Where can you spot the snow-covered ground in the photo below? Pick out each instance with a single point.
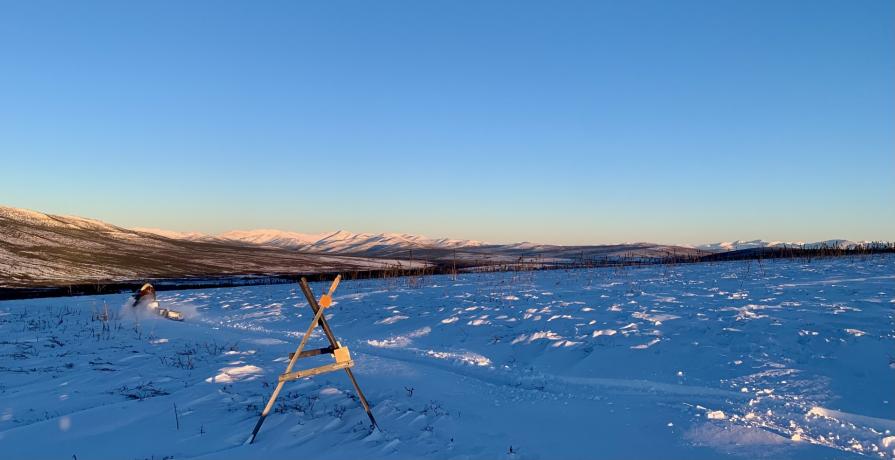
(779, 359)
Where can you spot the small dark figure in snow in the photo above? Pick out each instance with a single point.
(145, 297)
(147, 293)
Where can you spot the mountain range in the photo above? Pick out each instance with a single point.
(340, 242)
(753, 244)
(38, 249)
(343, 242)
(444, 250)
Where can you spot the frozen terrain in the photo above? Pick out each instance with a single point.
(779, 359)
(38, 249)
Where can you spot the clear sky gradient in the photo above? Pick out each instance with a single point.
(561, 122)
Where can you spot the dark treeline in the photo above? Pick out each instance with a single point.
(777, 252)
(789, 251)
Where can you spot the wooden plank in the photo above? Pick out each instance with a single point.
(309, 295)
(315, 371)
(314, 352)
(341, 354)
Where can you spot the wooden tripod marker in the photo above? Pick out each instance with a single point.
(340, 353)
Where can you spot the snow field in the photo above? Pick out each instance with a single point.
(778, 359)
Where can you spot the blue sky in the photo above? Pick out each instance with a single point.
(563, 122)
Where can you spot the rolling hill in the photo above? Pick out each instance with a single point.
(38, 249)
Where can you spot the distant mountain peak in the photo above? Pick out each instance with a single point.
(174, 235)
(339, 241)
(272, 237)
(752, 244)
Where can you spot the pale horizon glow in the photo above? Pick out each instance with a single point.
(322, 234)
(576, 123)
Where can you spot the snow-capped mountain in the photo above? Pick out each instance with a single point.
(43, 249)
(38, 249)
(408, 246)
(405, 246)
(347, 242)
(402, 245)
(270, 237)
(741, 244)
(175, 235)
(338, 242)
(752, 244)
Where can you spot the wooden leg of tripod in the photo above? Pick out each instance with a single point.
(363, 400)
(273, 398)
(276, 391)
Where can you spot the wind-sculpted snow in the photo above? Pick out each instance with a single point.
(781, 359)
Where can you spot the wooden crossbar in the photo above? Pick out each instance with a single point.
(339, 353)
(315, 371)
(314, 352)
